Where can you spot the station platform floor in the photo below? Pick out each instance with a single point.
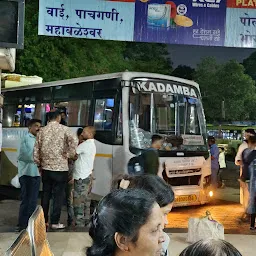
(74, 244)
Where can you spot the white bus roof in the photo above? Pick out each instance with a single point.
(123, 75)
(129, 75)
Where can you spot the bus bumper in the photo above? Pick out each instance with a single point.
(191, 195)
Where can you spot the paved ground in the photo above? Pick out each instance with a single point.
(224, 209)
(9, 210)
(74, 244)
(227, 213)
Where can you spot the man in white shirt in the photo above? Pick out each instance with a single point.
(82, 175)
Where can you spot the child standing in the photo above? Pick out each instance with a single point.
(222, 163)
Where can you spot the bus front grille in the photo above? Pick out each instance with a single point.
(183, 181)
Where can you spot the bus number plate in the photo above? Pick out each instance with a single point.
(183, 199)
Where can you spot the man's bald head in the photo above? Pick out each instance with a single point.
(89, 132)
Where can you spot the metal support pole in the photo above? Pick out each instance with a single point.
(1, 117)
(151, 113)
(223, 109)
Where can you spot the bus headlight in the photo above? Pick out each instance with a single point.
(211, 194)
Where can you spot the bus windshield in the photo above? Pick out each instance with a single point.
(178, 118)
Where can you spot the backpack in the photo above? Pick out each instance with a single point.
(136, 165)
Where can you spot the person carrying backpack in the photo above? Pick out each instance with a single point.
(148, 161)
(151, 157)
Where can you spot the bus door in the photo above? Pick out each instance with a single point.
(104, 106)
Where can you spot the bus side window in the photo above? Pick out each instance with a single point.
(12, 115)
(119, 134)
(37, 111)
(76, 113)
(103, 116)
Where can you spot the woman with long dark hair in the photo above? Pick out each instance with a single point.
(126, 222)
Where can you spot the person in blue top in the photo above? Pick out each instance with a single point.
(29, 176)
(214, 151)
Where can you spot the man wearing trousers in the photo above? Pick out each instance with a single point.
(29, 176)
(83, 177)
(55, 144)
(214, 151)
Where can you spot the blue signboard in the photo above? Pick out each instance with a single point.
(192, 22)
(180, 22)
(87, 19)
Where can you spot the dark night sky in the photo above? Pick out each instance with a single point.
(191, 55)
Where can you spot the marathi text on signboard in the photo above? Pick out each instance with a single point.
(229, 23)
(94, 20)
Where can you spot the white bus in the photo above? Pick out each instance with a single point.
(126, 109)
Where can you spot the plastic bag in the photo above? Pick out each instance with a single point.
(204, 228)
(15, 182)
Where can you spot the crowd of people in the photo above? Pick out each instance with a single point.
(65, 163)
(130, 220)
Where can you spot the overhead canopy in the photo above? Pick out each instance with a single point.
(16, 80)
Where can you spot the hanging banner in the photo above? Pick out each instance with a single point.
(91, 19)
(247, 4)
(241, 24)
(195, 22)
(229, 23)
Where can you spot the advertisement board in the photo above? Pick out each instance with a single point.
(193, 22)
(229, 23)
(241, 24)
